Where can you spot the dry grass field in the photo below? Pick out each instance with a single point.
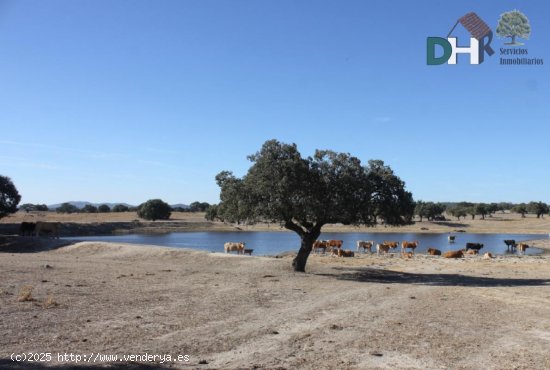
(241, 312)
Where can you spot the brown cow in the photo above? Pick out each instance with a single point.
(434, 252)
(472, 252)
(407, 254)
(382, 248)
(47, 227)
(410, 245)
(488, 255)
(320, 244)
(231, 246)
(335, 244)
(522, 247)
(453, 254)
(392, 245)
(345, 253)
(365, 245)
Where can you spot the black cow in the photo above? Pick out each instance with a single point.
(475, 246)
(27, 228)
(510, 244)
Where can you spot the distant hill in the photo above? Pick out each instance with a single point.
(81, 204)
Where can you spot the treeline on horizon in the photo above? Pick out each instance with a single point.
(67, 207)
(434, 211)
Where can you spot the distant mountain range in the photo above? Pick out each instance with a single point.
(82, 204)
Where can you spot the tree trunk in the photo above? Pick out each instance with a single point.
(299, 262)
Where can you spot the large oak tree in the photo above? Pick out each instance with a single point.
(303, 194)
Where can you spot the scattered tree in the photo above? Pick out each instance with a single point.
(513, 24)
(67, 208)
(481, 209)
(121, 208)
(458, 211)
(303, 194)
(520, 208)
(104, 208)
(538, 208)
(154, 209)
(88, 208)
(199, 206)
(9, 197)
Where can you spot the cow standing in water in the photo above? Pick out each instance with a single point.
(27, 228)
(51, 228)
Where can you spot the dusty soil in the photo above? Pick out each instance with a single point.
(228, 311)
(126, 222)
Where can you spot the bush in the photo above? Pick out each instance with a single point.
(154, 209)
(9, 197)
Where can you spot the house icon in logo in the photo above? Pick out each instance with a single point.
(480, 42)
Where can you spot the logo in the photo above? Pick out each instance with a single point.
(480, 42)
(513, 24)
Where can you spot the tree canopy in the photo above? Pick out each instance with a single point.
(303, 194)
(9, 197)
(154, 209)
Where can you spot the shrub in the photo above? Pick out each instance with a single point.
(154, 209)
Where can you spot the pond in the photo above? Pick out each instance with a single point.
(273, 243)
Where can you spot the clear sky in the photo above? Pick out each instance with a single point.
(123, 101)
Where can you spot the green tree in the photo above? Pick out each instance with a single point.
(212, 213)
(419, 209)
(104, 208)
(9, 197)
(538, 208)
(520, 208)
(458, 211)
(513, 24)
(88, 208)
(120, 208)
(41, 207)
(27, 207)
(67, 208)
(198, 206)
(482, 209)
(154, 209)
(304, 194)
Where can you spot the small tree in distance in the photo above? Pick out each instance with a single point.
(104, 208)
(154, 209)
(89, 208)
(120, 208)
(9, 197)
(67, 208)
(304, 194)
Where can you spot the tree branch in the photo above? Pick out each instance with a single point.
(294, 227)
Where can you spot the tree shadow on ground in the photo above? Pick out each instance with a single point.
(372, 275)
(23, 365)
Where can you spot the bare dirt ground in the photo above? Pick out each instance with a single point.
(106, 223)
(229, 312)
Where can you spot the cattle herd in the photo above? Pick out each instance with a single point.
(40, 228)
(335, 248)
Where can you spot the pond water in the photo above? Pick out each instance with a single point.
(272, 243)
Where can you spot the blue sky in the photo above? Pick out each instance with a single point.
(123, 101)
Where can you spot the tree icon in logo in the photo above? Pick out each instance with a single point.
(513, 24)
